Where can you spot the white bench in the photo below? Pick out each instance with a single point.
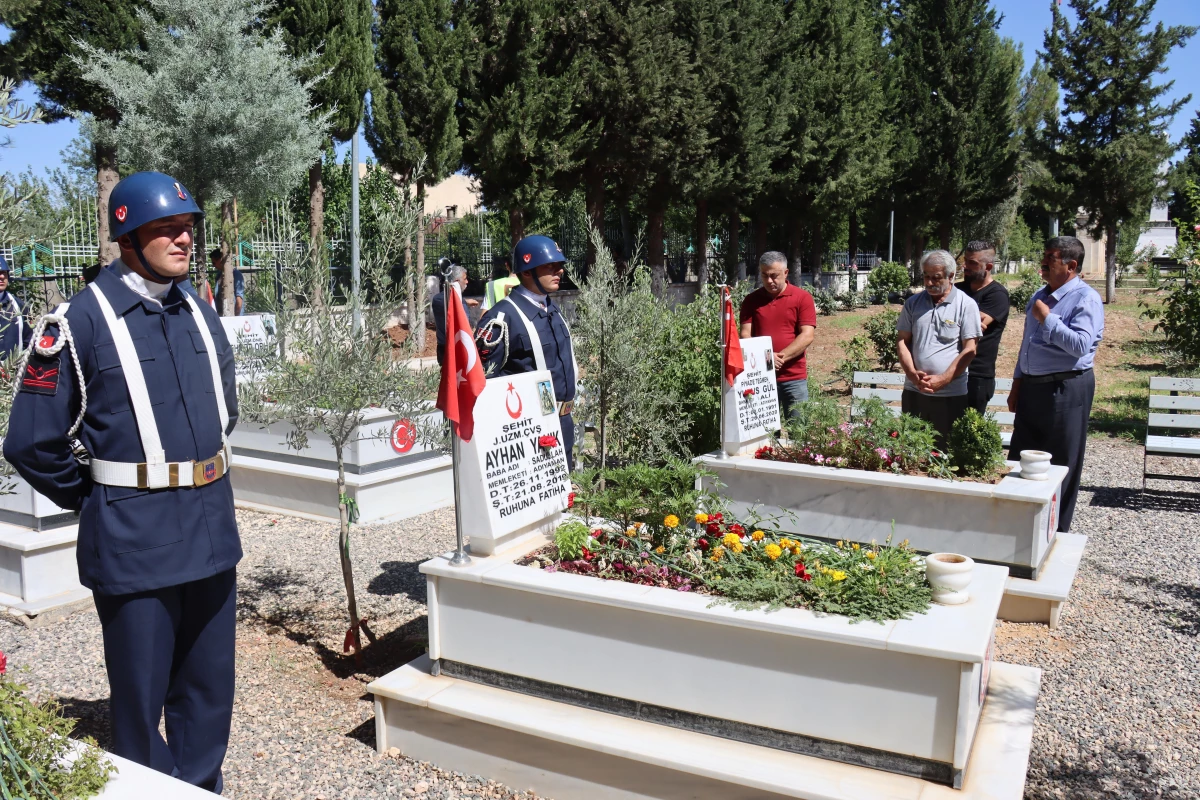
(888, 386)
(1174, 411)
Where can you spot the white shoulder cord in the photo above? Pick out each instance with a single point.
(20, 318)
(59, 318)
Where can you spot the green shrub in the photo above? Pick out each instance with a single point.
(825, 300)
(1178, 319)
(855, 361)
(878, 440)
(881, 330)
(1019, 295)
(885, 278)
(569, 538)
(975, 445)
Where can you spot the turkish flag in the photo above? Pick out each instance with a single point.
(732, 357)
(462, 372)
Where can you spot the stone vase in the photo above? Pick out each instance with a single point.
(1035, 465)
(949, 574)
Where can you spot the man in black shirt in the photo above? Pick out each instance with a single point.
(979, 260)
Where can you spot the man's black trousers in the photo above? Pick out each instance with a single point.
(1053, 416)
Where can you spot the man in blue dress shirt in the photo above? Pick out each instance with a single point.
(1053, 383)
(14, 329)
(122, 415)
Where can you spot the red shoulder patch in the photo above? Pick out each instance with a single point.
(40, 377)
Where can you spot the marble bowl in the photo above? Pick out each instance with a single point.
(1035, 465)
(949, 575)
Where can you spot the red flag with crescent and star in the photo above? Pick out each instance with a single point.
(732, 357)
(462, 372)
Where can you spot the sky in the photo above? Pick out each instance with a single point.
(1025, 21)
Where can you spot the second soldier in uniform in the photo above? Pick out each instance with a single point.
(526, 331)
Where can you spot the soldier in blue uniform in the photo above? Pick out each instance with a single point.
(122, 413)
(14, 328)
(526, 331)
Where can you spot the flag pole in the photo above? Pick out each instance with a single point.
(721, 454)
(460, 557)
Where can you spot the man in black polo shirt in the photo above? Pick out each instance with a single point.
(979, 260)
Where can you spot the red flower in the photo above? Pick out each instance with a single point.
(895, 434)
(571, 500)
(716, 517)
(549, 440)
(702, 544)
(748, 393)
(738, 529)
(587, 554)
(713, 528)
(802, 572)
(935, 454)
(3, 663)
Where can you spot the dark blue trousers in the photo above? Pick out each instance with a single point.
(568, 432)
(172, 650)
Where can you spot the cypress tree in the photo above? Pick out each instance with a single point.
(956, 86)
(412, 125)
(1105, 152)
(837, 139)
(44, 48)
(520, 132)
(334, 39)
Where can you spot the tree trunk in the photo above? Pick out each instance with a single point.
(226, 277)
(701, 245)
(316, 225)
(594, 202)
(732, 246)
(796, 245)
(410, 286)
(344, 550)
(416, 326)
(818, 254)
(516, 227)
(944, 234)
(106, 179)
(1110, 264)
(852, 256)
(200, 253)
(657, 259)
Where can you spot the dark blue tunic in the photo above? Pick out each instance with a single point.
(551, 329)
(10, 338)
(132, 540)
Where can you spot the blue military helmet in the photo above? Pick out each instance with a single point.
(144, 197)
(534, 251)
(4, 267)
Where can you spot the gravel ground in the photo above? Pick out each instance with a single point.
(1117, 717)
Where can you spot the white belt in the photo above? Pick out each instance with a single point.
(167, 475)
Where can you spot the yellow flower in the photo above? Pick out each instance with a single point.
(717, 552)
(730, 539)
(738, 547)
(638, 525)
(701, 518)
(757, 536)
(660, 549)
(871, 554)
(795, 549)
(839, 544)
(837, 575)
(854, 546)
(773, 551)
(671, 521)
(785, 543)
(630, 531)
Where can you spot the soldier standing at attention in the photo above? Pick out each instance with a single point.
(121, 415)
(14, 330)
(525, 331)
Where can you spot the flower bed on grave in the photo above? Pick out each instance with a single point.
(651, 526)
(879, 440)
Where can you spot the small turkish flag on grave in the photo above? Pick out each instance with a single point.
(732, 356)
(462, 372)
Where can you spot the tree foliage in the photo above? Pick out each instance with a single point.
(1105, 152)
(211, 100)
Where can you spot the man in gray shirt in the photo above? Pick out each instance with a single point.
(937, 333)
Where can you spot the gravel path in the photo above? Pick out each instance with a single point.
(1117, 717)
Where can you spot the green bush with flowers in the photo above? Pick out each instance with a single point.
(652, 526)
(880, 440)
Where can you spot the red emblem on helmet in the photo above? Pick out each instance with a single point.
(527, 256)
(121, 213)
(179, 191)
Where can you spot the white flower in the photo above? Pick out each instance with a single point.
(866, 566)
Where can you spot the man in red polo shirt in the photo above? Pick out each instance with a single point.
(787, 314)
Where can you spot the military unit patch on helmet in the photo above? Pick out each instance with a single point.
(41, 375)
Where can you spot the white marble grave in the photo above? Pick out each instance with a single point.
(510, 486)
(389, 473)
(1012, 523)
(752, 403)
(38, 571)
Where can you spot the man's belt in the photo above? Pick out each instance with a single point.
(160, 476)
(1054, 377)
(566, 407)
